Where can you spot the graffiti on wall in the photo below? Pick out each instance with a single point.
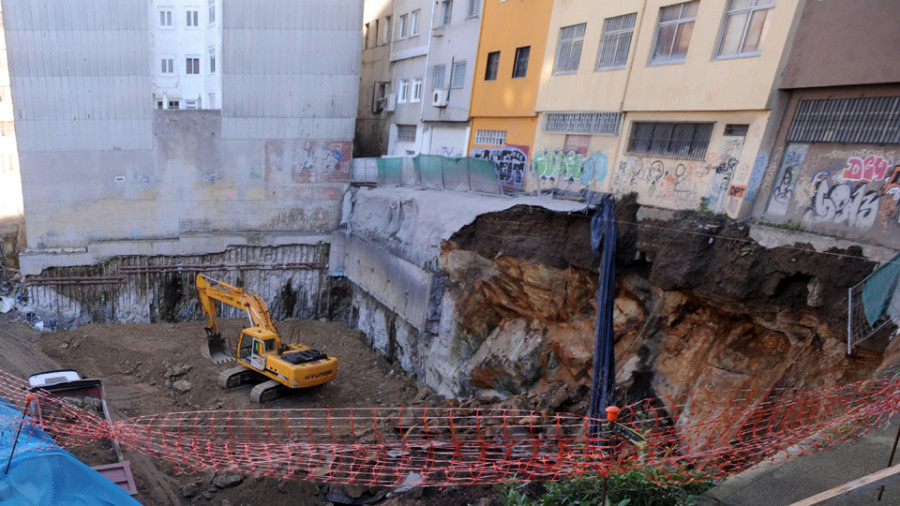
(679, 182)
(786, 178)
(723, 171)
(570, 166)
(855, 194)
(305, 161)
(509, 162)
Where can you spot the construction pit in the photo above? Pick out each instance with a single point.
(505, 321)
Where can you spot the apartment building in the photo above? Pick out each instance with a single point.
(507, 78)
(185, 43)
(673, 101)
(375, 82)
(10, 182)
(127, 177)
(835, 166)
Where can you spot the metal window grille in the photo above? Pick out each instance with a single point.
(868, 120)
(406, 133)
(490, 137)
(594, 123)
(520, 68)
(745, 23)
(437, 76)
(458, 75)
(568, 51)
(676, 140)
(616, 42)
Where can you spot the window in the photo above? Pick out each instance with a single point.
(520, 68)
(212, 11)
(7, 129)
(406, 133)
(167, 66)
(375, 34)
(192, 17)
(490, 137)
(746, 22)
(401, 27)
(165, 17)
(173, 104)
(414, 23)
(616, 42)
(159, 104)
(594, 123)
(366, 36)
(493, 62)
(212, 101)
(474, 8)
(4, 93)
(676, 140)
(191, 104)
(403, 92)
(446, 7)
(673, 33)
(192, 65)
(866, 120)
(212, 60)
(386, 35)
(437, 76)
(458, 75)
(416, 90)
(568, 51)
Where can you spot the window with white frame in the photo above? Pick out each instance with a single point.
(568, 50)
(212, 60)
(416, 94)
(474, 8)
(192, 18)
(520, 66)
(676, 140)
(673, 33)
(165, 17)
(458, 75)
(746, 23)
(212, 11)
(192, 65)
(446, 7)
(160, 104)
(490, 137)
(173, 104)
(191, 104)
(386, 35)
(401, 27)
(406, 133)
(437, 76)
(616, 42)
(403, 92)
(167, 65)
(414, 22)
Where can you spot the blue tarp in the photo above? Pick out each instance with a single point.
(880, 288)
(42, 473)
(603, 242)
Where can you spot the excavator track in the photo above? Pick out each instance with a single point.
(237, 376)
(268, 390)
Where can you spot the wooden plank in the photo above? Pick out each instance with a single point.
(854, 487)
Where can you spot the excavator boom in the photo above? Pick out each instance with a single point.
(210, 290)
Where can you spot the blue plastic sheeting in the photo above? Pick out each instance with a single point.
(880, 287)
(41, 473)
(603, 242)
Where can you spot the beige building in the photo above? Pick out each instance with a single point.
(669, 100)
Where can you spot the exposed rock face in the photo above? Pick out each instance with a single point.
(699, 306)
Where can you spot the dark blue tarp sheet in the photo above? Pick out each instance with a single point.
(603, 242)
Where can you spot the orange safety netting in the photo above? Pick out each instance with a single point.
(694, 437)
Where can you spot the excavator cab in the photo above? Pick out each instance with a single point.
(255, 344)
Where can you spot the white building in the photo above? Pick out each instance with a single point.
(10, 184)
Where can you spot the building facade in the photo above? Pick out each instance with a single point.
(10, 181)
(128, 178)
(835, 166)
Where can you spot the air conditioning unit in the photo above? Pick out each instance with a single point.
(391, 103)
(440, 98)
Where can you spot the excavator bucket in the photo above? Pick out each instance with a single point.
(216, 349)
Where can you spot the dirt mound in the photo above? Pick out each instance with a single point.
(148, 369)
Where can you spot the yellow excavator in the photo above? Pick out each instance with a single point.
(260, 351)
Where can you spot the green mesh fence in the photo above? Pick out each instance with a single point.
(390, 171)
(460, 174)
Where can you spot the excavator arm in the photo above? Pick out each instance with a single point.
(211, 290)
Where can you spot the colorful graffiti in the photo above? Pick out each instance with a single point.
(678, 183)
(510, 163)
(724, 171)
(570, 166)
(842, 204)
(872, 168)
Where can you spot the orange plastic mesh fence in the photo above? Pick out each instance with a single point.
(700, 436)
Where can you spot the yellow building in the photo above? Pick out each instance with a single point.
(507, 77)
(672, 100)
